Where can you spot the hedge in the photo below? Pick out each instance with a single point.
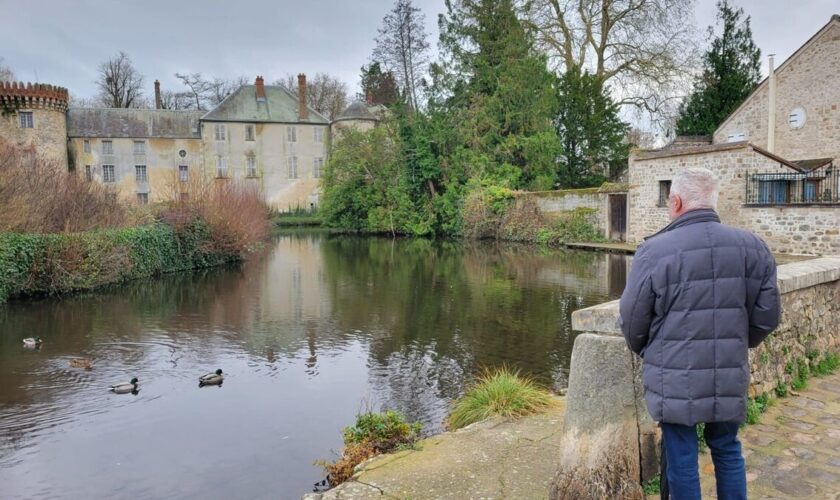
(32, 264)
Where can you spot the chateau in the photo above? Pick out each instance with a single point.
(260, 135)
(776, 156)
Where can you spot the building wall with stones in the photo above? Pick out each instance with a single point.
(807, 80)
(47, 103)
(730, 163)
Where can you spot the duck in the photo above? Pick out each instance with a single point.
(125, 388)
(85, 363)
(215, 378)
(32, 342)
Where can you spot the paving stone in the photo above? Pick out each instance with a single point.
(800, 425)
(803, 453)
(791, 484)
(807, 403)
(832, 421)
(834, 462)
(830, 386)
(798, 437)
(821, 476)
(792, 411)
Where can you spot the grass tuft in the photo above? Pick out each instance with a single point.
(503, 392)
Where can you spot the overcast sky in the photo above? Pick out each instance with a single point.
(62, 42)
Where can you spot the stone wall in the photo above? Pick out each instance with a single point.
(805, 230)
(563, 200)
(48, 135)
(808, 80)
(810, 325)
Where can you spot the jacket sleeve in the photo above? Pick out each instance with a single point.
(765, 315)
(637, 303)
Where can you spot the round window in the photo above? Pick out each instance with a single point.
(797, 118)
(182, 153)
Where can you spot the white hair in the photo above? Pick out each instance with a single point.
(696, 187)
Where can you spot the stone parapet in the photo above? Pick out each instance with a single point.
(17, 95)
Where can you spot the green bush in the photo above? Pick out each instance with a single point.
(65, 262)
(501, 392)
(372, 434)
(827, 365)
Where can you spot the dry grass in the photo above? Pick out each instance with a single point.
(38, 196)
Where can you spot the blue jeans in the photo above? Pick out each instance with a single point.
(680, 443)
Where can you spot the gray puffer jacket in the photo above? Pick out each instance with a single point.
(699, 294)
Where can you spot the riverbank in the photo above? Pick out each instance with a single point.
(50, 264)
(492, 459)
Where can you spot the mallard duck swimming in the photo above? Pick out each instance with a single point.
(215, 378)
(125, 388)
(32, 341)
(85, 363)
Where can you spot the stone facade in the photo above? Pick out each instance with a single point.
(807, 80)
(47, 104)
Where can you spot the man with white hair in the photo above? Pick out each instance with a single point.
(699, 294)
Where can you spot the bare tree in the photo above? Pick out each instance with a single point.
(176, 100)
(325, 94)
(77, 101)
(644, 49)
(6, 73)
(207, 93)
(402, 47)
(120, 84)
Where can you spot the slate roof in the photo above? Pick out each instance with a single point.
(356, 111)
(279, 107)
(133, 123)
(813, 164)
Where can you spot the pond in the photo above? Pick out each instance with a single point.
(310, 332)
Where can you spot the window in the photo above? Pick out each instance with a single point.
(26, 120)
(293, 171)
(319, 166)
(221, 166)
(219, 129)
(810, 191)
(291, 134)
(250, 166)
(319, 134)
(107, 147)
(249, 132)
(664, 193)
(108, 174)
(87, 146)
(773, 191)
(143, 198)
(88, 173)
(139, 147)
(140, 173)
(183, 173)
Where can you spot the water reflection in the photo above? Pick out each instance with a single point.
(309, 333)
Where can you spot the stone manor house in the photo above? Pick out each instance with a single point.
(777, 157)
(260, 135)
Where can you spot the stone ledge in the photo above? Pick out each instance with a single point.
(603, 318)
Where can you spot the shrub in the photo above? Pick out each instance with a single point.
(827, 365)
(501, 392)
(756, 407)
(372, 434)
(653, 486)
(39, 196)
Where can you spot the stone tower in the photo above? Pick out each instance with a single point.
(34, 114)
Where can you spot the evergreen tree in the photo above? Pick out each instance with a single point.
(590, 130)
(499, 95)
(731, 69)
(378, 87)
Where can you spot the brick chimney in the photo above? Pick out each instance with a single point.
(158, 103)
(259, 88)
(303, 110)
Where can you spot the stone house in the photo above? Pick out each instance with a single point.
(260, 135)
(776, 156)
